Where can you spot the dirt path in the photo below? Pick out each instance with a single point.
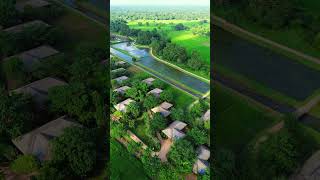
(274, 129)
(307, 107)
(165, 148)
(238, 30)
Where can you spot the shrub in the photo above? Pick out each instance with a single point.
(24, 164)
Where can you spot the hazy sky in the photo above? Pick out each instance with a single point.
(161, 2)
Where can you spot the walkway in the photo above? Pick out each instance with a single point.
(165, 148)
(307, 107)
(310, 170)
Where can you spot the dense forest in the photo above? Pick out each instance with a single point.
(160, 13)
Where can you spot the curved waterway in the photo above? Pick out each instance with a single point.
(162, 69)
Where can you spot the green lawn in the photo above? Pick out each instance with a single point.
(124, 165)
(183, 38)
(237, 119)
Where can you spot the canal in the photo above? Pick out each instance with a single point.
(167, 72)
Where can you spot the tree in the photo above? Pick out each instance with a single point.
(117, 129)
(278, 155)
(150, 101)
(166, 96)
(75, 148)
(182, 155)
(8, 15)
(180, 27)
(224, 165)
(24, 164)
(133, 109)
(177, 114)
(15, 111)
(158, 122)
(51, 171)
(198, 135)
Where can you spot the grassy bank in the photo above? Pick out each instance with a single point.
(240, 118)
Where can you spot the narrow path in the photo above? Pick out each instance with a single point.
(236, 29)
(307, 107)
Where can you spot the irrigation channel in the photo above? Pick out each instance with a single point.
(269, 68)
(182, 80)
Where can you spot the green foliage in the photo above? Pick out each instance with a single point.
(51, 171)
(13, 120)
(13, 69)
(150, 101)
(224, 165)
(278, 155)
(76, 148)
(166, 96)
(133, 109)
(198, 135)
(24, 164)
(117, 129)
(7, 152)
(178, 114)
(8, 15)
(158, 123)
(76, 100)
(182, 155)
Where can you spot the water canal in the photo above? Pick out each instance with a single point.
(264, 66)
(167, 72)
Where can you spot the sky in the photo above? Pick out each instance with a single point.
(160, 2)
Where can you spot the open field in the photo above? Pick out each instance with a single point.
(279, 73)
(241, 120)
(183, 38)
(123, 164)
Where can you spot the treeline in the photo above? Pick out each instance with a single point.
(278, 14)
(162, 46)
(160, 13)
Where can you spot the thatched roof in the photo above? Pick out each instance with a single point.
(122, 105)
(20, 5)
(178, 125)
(156, 92)
(120, 79)
(200, 166)
(37, 141)
(166, 105)
(173, 133)
(149, 81)
(118, 70)
(39, 89)
(206, 115)
(31, 57)
(161, 110)
(21, 27)
(203, 152)
(122, 89)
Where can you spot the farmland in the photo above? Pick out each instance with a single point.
(185, 38)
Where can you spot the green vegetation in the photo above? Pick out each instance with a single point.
(292, 23)
(187, 38)
(240, 118)
(123, 164)
(24, 164)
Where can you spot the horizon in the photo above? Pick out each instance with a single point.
(160, 3)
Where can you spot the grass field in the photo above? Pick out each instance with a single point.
(124, 165)
(184, 38)
(241, 120)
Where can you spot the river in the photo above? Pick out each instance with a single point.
(165, 71)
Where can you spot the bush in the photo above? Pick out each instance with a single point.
(7, 153)
(24, 164)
